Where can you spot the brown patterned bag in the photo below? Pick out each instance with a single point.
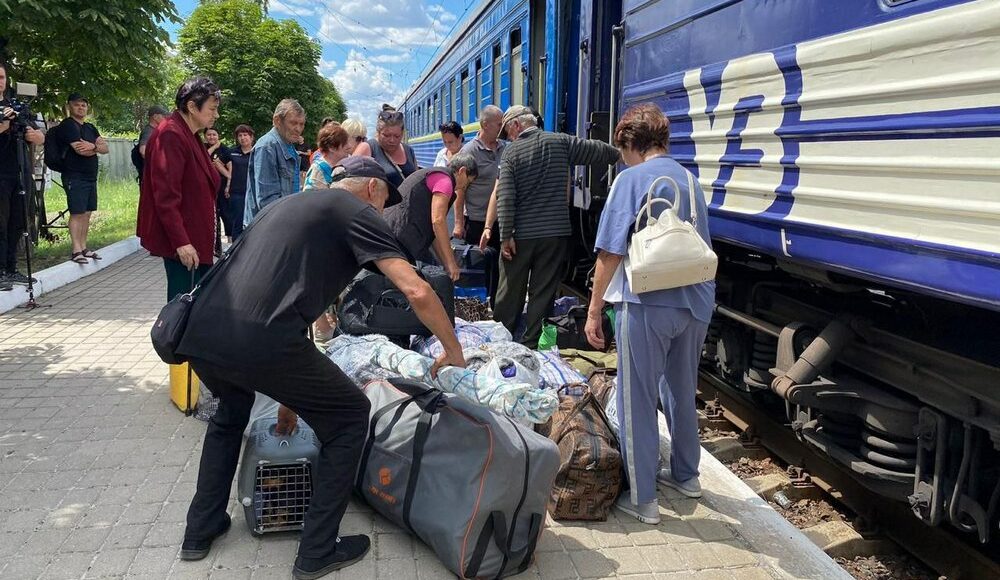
(590, 468)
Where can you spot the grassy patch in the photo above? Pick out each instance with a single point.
(113, 221)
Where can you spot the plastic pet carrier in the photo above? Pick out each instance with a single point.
(275, 481)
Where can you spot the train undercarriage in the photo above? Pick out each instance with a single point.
(902, 390)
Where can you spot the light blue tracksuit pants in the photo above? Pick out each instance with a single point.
(658, 352)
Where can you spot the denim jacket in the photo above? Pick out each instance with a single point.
(274, 173)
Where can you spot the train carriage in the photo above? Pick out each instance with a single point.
(850, 154)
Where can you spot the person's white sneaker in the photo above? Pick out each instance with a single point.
(691, 488)
(647, 513)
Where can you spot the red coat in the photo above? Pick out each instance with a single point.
(177, 198)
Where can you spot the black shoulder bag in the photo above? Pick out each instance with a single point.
(168, 330)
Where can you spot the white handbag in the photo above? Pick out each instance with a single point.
(668, 252)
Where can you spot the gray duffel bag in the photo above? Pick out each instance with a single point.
(472, 484)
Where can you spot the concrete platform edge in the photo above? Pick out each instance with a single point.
(784, 546)
(62, 274)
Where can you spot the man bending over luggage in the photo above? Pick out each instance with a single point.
(247, 332)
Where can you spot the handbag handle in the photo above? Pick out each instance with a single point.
(647, 207)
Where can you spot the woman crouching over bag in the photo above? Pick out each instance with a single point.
(659, 332)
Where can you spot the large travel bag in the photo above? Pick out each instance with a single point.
(473, 263)
(373, 305)
(473, 485)
(567, 330)
(590, 474)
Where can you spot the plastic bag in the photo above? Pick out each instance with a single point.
(549, 337)
(520, 401)
(556, 373)
(208, 404)
(508, 369)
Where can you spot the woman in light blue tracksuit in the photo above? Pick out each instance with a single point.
(660, 333)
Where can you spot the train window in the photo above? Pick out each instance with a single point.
(434, 114)
(479, 86)
(466, 97)
(445, 106)
(497, 60)
(516, 74)
(428, 114)
(456, 115)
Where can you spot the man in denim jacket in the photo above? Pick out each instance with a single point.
(274, 162)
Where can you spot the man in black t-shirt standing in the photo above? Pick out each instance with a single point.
(247, 332)
(82, 143)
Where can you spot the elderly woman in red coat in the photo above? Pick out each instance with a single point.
(177, 198)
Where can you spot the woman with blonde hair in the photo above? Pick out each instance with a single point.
(357, 132)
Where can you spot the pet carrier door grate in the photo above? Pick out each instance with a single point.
(281, 496)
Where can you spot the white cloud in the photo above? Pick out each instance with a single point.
(327, 67)
(386, 24)
(365, 85)
(392, 58)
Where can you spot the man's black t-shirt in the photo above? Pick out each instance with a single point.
(241, 169)
(70, 131)
(147, 132)
(292, 263)
(221, 154)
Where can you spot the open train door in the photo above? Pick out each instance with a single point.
(596, 55)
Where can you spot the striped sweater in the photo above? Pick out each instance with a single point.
(532, 198)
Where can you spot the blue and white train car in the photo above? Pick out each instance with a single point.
(858, 136)
(850, 153)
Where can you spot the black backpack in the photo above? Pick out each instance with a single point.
(137, 159)
(55, 154)
(570, 329)
(373, 305)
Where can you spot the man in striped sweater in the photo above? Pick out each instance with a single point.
(533, 208)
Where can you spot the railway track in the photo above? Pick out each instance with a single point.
(945, 552)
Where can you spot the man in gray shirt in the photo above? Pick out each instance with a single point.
(486, 149)
(472, 204)
(533, 212)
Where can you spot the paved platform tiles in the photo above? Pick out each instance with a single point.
(97, 469)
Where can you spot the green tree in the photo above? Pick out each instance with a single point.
(111, 50)
(256, 61)
(128, 117)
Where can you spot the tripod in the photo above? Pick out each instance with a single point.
(25, 184)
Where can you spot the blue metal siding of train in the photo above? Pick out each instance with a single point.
(491, 28)
(856, 136)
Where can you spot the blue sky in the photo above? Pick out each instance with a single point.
(373, 50)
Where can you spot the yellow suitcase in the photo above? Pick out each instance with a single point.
(184, 387)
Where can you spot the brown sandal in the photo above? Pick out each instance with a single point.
(90, 254)
(79, 258)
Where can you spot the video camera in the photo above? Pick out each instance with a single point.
(18, 111)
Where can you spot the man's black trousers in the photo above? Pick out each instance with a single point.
(12, 223)
(320, 393)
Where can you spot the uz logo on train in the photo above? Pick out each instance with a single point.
(736, 109)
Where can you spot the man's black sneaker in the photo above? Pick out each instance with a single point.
(350, 549)
(198, 549)
(16, 277)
